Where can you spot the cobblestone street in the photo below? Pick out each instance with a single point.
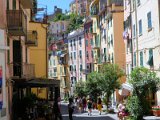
(84, 116)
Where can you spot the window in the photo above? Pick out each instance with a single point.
(71, 68)
(140, 27)
(149, 20)
(91, 42)
(150, 60)
(138, 2)
(111, 39)
(80, 53)
(80, 43)
(86, 42)
(54, 62)
(74, 42)
(104, 51)
(71, 55)
(74, 55)
(14, 4)
(81, 67)
(87, 54)
(134, 58)
(7, 4)
(134, 31)
(74, 67)
(71, 43)
(141, 58)
(92, 54)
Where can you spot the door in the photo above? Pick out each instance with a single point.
(17, 58)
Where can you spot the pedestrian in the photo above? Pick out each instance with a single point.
(99, 105)
(70, 108)
(89, 103)
(84, 103)
(56, 111)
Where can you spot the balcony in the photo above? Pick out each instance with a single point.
(27, 4)
(16, 22)
(116, 2)
(24, 70)
(31, 38)
(96, 45)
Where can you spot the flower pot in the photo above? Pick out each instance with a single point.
(156, 112)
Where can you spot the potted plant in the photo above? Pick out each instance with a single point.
(156, 110)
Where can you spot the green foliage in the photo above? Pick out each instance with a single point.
(110, 78)
(61, 17)
(134, 107)
(144, 82)
(93, 84)
(80, 89)
(75, 22)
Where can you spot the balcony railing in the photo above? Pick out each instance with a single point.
(21, 70)
(116, 2)
(31, 38)
(16, 22)
(27, 3)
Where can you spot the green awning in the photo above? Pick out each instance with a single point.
(150, 61)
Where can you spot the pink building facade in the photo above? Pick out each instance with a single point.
(88, 46)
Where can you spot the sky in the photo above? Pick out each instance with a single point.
(64, 4)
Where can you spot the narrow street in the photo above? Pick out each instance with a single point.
(84, 116)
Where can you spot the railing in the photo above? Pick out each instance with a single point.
(16, 22)
(116, 2)
(21, 70)
(31, 38)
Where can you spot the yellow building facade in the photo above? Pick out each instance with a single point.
(38, 55)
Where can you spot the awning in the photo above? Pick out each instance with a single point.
(150, 61)
(127, 86)
(37, 82)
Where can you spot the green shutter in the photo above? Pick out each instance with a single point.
(134, 58)
(141, 58)
(150, 60)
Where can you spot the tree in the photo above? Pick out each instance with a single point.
(110, 80)
(80, 89)
(144, 82)
(93, 84)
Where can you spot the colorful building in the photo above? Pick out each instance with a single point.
(58, 55)
(4, 106)
(145, 37)
(80, 7)
(88, 46)
(77, 55)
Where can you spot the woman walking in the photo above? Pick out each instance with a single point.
(99, 105)
(89, 107)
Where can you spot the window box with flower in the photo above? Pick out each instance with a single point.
(156, 110)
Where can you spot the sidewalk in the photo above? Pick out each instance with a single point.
(151, 118)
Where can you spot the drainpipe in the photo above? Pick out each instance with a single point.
(137, 61)
(131, 38)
